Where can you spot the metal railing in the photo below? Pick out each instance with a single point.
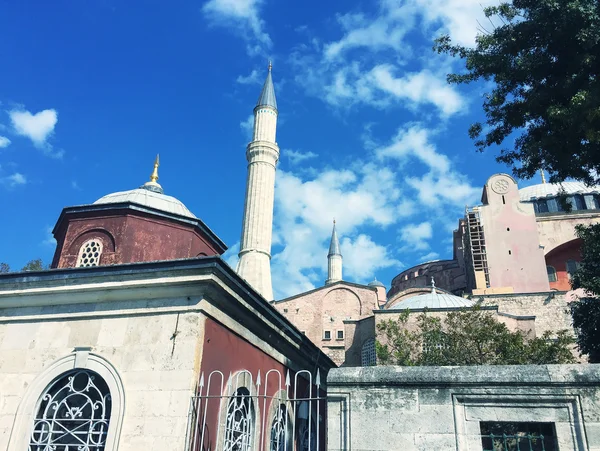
(519, 442)
(243, 413)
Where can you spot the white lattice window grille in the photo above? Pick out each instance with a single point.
(280, 430)
(73, 414)
(89, 254)
(368, 353)
(239, 425)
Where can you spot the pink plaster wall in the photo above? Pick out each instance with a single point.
(514, 256)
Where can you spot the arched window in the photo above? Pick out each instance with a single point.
(73, 413)
(239, 426)
(280, 430)
(89, 253)
(368, 354)
(551, 273)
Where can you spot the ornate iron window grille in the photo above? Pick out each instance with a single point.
(279, 430)
(525, 442)
(239, 427)
(73, 414)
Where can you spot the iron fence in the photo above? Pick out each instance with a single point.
(245, 413)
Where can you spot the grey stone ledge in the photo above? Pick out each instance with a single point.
(431, 376)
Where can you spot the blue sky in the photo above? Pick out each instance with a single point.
(369, 131)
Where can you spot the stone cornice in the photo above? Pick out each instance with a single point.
(208, 284)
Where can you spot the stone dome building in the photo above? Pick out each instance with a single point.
(138, 225)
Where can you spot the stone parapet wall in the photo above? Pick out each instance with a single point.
(441, 408)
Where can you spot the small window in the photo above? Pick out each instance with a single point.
(368, 354)
(340, 334)
(509, 436)
(542, 206)
(509, 252)
(89, 253)
(285, 310)
(327, 335)
(551, 273)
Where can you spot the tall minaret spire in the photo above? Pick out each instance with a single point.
(262, 154)
(334, 259)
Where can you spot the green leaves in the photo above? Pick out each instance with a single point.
(543, 57)
(465, 337)
(586, 311)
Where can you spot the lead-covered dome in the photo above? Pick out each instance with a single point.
(151, 195)
(544, 190)
(147, 198)
(433, 300)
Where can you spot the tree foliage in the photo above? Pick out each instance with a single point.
(543, 59)
(466, 337)
(586, 311)
(32, 265)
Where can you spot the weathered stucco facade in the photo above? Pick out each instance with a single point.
(320, 314)
(150, 330)
(447, 408)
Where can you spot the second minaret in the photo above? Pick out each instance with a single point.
(262, 154)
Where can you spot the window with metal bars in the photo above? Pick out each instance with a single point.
(73, 414)
(511, 436)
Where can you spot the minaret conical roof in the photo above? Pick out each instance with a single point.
(267, 95)
(334, 245)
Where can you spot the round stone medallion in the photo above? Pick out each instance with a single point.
(500, 185)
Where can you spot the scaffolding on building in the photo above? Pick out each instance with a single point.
(476, 244)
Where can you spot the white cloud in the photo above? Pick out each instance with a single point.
(231, 255)
(247, 127)
(295, 156)
(442, 183)
(49, 239)
(15, 179)
(37, 127)
(364, 196)
(4, 142)
(415, 236)
(362, 257)
(429, 257)
(242, 16)
(254, 77)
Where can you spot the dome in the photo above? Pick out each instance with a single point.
(433, 300)
(148, 198)
(544, 190)
(376, 283)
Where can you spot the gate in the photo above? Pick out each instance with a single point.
(267, 413)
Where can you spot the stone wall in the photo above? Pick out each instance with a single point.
(158, 372)
(550, 309)
(326, 309)
(440, 408)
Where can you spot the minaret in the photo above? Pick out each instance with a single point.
(262, 154)
(334, 259)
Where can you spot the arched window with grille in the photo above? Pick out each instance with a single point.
(280, 430)
(73, 413)
(551, 273)
(368, 353)
(90, 253)
(239, 423)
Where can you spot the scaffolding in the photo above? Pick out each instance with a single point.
(477, 247)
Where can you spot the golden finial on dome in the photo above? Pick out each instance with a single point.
(543, 176)
(154, 176)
